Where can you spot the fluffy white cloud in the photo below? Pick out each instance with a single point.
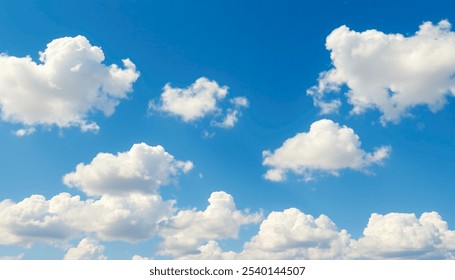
(129, 218)
(142, 169)
(404, 236)
(31, 220)
(232, 114)
(292, 234)
(199, 100)
(190, 229)
(128, 206)
(327, 148)
(389, 72)
(70, 82)
(87, 249)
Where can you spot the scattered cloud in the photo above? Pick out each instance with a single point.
(139, 258)
(25, 131)
(17, 257)
(142, 169)
(326, 148)
(69, 83)
(389, 72)
(190, 229)
(87, 249)
(199, 100)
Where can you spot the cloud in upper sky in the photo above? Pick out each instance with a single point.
(389, 72)
(199, 100)
(68, 84)
(142, 169)
(326, 148)
(87, 249)
(190, 229)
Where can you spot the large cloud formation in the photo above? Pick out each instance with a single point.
(200, 99)
(326, 148)
(126, 205)
(389, 72)
(404, 236)
(70, 83)
(292, 234)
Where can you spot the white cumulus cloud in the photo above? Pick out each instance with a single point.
(87, 249)
(327, 147)
(292, 234)
(141, 169)
(127, 206)
(404, 236)
(199, 100)
(190, 229)
(130, 218)
(31, 220)
(68, 84)
(389, 72)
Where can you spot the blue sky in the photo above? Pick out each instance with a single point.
(227, 99)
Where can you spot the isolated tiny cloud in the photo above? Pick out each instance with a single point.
(69, 83)
(389, 72)
(190, 229)
(200, 100)
(87, 249)
(326, 148)
(141, 169)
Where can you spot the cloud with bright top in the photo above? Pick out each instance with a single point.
(202, 99)
(326, 148)
(190, 229)
(391, 73)
(69, 84)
